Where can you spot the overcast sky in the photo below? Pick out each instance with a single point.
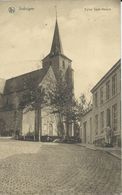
(90, 38)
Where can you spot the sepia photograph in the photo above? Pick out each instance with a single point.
(60, 97)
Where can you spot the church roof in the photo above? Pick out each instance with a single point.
(19, 83)
(56, 47)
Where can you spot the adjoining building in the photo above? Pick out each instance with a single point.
(22, 121)
(106, 110)
(86, 127)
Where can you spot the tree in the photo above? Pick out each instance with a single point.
(78, 108)
(61, 99)
(33, 94)
(35, 97)
(67, 107)
(83, 104)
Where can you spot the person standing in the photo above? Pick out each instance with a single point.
(108, 135)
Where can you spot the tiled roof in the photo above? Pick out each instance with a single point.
(19, 83)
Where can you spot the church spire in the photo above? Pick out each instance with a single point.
(56, 47)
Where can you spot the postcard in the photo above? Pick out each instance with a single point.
(60, 97)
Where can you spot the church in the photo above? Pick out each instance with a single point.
(17, 116)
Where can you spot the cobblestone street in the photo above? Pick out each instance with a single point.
(57, 169)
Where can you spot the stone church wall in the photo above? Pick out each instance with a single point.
(28, 122)
(49, 122)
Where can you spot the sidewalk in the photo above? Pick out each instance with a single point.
(115, 151)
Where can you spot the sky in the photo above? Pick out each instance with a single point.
(89, 30)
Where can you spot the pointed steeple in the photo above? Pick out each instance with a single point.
(56, 47)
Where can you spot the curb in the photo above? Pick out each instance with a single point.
(87, 147)
(91, 148)
(115, 155)
(97, 149)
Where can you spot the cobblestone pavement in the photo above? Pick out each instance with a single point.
(11, 147)
(60, 170)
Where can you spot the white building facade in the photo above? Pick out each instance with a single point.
(106, 111)
(87, 127)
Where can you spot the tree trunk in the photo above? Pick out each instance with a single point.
(67, 126)
(60, 126)
(39, 123)
(36, 124)
(67, 131)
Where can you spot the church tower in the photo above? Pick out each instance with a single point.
(57, 60)
(61, 66)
